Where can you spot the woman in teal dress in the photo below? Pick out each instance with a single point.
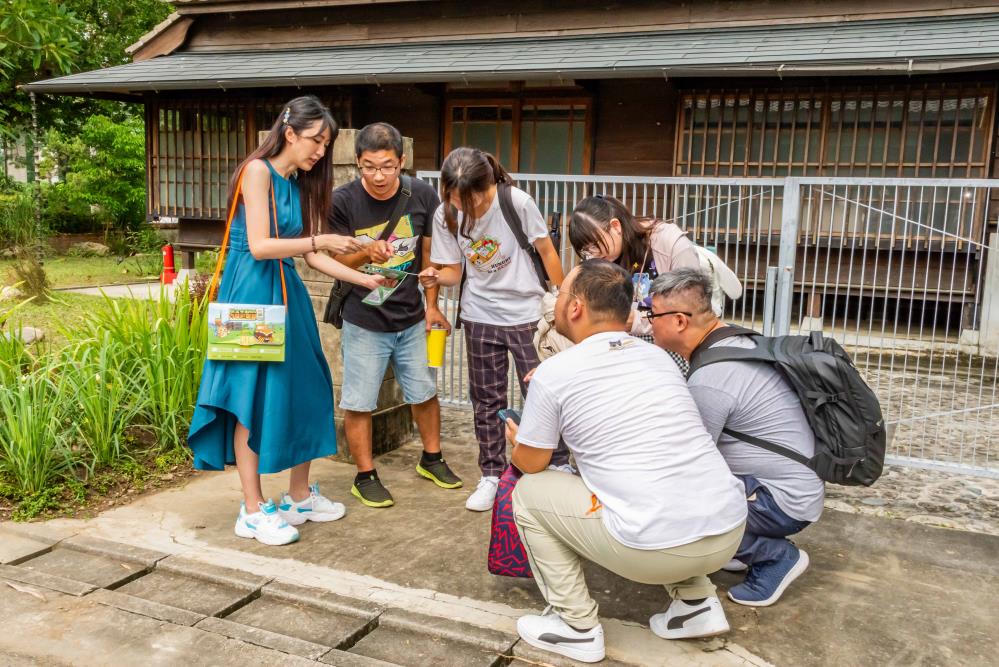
(271, 416)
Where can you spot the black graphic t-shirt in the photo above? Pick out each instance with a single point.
(358, 214)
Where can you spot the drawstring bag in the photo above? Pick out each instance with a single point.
(507, 555)
(245, 331)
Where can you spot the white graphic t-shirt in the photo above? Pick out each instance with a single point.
(502, 286)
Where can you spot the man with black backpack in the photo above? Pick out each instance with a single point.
(753, 399)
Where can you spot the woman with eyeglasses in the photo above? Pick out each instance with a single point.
(500, 300)
(603, 227)
(271, 416)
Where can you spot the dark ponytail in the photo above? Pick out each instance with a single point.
(467, 171)
(592, 215)
(316, 185)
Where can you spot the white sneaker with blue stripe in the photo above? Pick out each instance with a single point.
(316, 507)
(265, 526)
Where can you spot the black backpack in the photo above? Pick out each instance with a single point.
(845, 416)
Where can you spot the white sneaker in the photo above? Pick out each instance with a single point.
(316, 507)
(550, 633)
(482, 498)
(687, 621)
(735, 565)
(265, 526)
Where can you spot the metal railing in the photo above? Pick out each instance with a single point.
(894, 269)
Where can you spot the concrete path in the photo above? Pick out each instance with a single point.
(147, 290)
(879, 592)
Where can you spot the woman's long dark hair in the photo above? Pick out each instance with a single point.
(593, 215)
(467, 171)
(316, 185)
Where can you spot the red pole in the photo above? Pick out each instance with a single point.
(169, 273)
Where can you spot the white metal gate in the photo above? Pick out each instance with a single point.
(896, 270)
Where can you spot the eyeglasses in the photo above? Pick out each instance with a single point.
(649, 315)
(569, 292)
(368, 170)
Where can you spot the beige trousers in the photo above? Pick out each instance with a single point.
(554, 514)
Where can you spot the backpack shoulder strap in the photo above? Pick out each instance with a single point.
(406, 188)
(704, 355)
(510, 215)
(769, 446)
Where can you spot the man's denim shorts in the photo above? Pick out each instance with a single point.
(366, 355)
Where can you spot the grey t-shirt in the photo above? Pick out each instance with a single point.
(753, 398)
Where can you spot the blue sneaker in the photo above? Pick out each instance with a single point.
(265, 526)
(766, 582)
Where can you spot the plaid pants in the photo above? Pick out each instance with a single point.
(488, 367)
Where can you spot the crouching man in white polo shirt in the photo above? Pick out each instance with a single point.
(655, 502)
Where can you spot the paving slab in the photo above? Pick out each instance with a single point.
(221, 576)
(50, 581)
(343, 659)
(115, 550)
(15, 548)
(100, 571)
(417, 640)
(190, 593)
(65, 630)
(265, 638)
(528, 654)
(311, 615)
(148, 608)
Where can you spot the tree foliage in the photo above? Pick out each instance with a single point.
(40, 39)
(103, 167)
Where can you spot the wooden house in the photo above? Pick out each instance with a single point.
(722, 88)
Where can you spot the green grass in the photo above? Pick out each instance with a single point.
(70, 271)
(63, 315)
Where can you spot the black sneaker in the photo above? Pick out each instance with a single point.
(438, 473)
(371, 492)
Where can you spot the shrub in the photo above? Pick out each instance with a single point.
(162, 345)
(104, 398)
(18, 227)
(33, 450)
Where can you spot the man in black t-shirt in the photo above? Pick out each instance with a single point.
(394, 331)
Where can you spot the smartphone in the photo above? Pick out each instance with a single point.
(509, 414)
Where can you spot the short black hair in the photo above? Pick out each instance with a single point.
(606, 289)
(378, 137)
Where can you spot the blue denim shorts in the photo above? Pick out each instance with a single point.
(366, 356)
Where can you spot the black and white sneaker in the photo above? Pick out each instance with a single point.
(550, 633)
(688, 621)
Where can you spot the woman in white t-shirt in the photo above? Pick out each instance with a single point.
(500, 299)
(603, 227)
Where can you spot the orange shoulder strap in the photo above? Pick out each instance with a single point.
(214, 283)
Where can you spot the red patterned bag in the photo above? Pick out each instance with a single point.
(507, 556)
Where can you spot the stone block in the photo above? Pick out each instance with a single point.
(265, 638)
(148, 608)
(345, 155)
(344, 659)
(201, 596)
(309, 615)
(323, 599)
(16, 549)
(115, 550)
(221, 576)
(528, 654)
(415, 640)
(43, 580)
(99, 571)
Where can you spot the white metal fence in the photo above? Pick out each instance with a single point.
(895, 269)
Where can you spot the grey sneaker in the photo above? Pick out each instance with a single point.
(371, 492)
(439, 473)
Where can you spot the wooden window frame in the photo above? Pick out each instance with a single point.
(517, 103)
